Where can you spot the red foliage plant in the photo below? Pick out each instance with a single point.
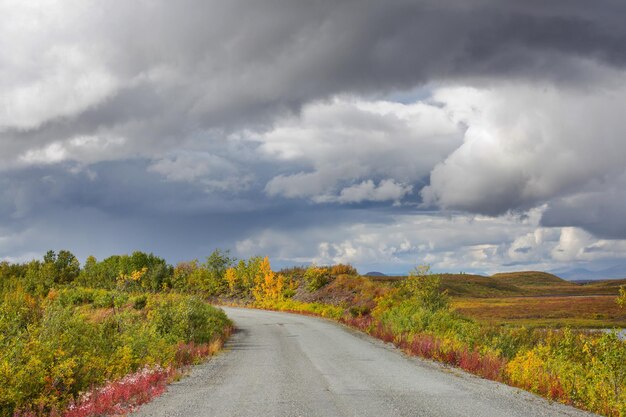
(359, 322)
(120, 397)
(115, 398)
(431, 347)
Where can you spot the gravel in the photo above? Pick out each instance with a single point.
(279, 364)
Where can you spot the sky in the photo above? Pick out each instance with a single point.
(474, 135)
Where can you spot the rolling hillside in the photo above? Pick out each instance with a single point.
(517, 284)
(530, 279)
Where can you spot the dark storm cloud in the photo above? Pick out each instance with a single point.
(156, 73)
(598, 212)
(196, 64)
(123, 208)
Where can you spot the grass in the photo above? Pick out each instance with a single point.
(578, 312)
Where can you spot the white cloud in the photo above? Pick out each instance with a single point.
(527, 144)
(347, 143)
(449, 243)
(575, 244)
(190, 166)
(386, 190)
(82, 149)
(48, 72)
(534, 245)
(299, 185)
(213, 171)
(50, 154)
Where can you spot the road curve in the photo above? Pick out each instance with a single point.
(280, 364)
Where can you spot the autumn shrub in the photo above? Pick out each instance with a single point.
(343, 269)
(18, 310)
(295, 272)
(76, 296)
(359, 310)
(588, 370)
(268, 285)
(243, 276)
(316, 277)
(621, 299)
(186, 318)
(509, 341)
(139, 302)
(425, 288)
(361, 322)
(104, 299)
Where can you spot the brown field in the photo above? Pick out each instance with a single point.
(573, 311)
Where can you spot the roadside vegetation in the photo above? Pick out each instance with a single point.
(74, 339)
(98, 340)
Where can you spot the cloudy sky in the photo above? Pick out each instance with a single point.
(474, 135)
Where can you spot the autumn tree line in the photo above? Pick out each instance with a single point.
(218, 275)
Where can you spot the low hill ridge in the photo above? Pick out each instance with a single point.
(530, 278)
(514, 284)
(375, 274)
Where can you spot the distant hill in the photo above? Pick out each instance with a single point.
(469, 285)
(605, 283)
(514, 284)
(583, 274)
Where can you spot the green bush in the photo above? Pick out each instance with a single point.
(186, 319)
(425, 288)
(316, 277)
(103, 299)
(140, 302)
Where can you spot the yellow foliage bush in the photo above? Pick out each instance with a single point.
(588, 371)
(269, 285)
(132, 280)
(231, 278)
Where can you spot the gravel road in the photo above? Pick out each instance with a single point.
(279, 364)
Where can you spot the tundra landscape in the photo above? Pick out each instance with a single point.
(107, 337)
(324, 208)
